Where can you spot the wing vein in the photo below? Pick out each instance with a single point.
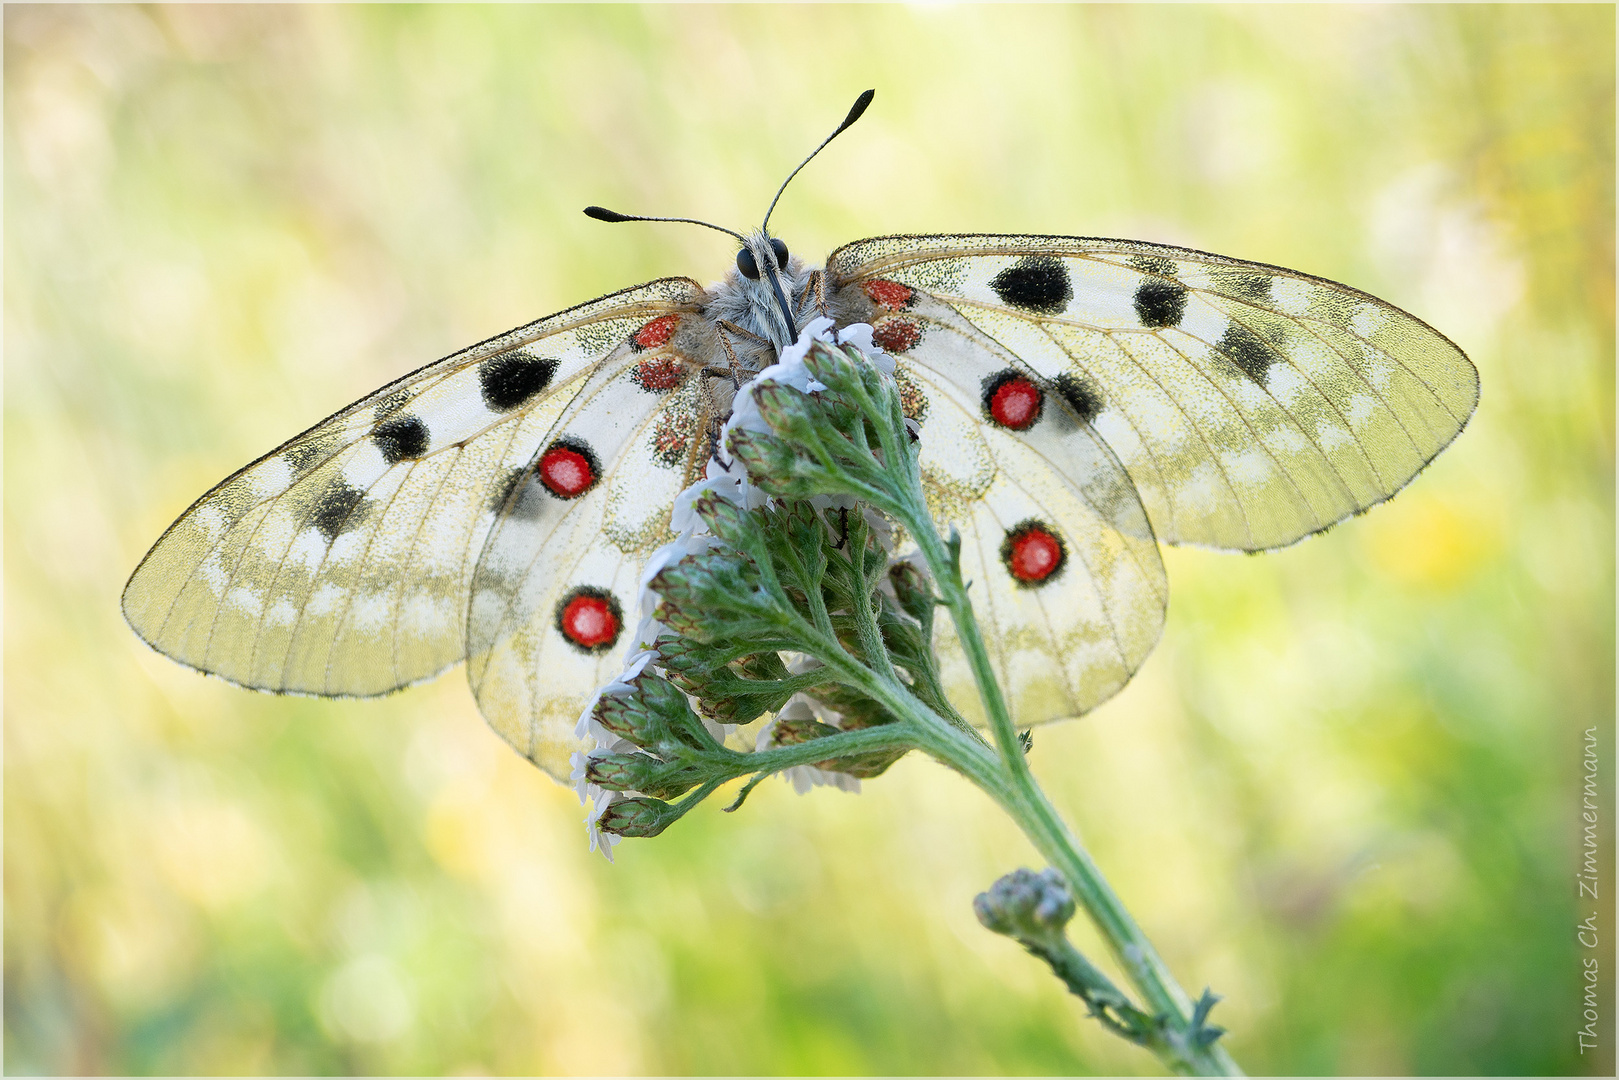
(1259, 441)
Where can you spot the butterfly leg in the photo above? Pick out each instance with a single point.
(715, 448)
(843, 525)
(755, 342)
(815, 295)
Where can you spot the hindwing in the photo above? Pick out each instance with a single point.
(553, 597)
(1066, 581)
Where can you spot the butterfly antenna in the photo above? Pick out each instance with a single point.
(855, 112)
(601, 213)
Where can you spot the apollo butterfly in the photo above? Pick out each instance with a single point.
(1078, 401)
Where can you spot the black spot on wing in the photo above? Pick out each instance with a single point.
(1246, 285)
(520, 495)
(306, 456)
(511, 379)
(1037, 283)
(1155, 265)
(1081, 394)
(1160, 303)
(338, 510)
(391, 404)
(1244, 349)
(501, 490)
(401, 439)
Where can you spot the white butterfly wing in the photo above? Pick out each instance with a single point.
(1101, 392)
(1072, 630)
(340, 563)
(1251, 405)
(553, 596)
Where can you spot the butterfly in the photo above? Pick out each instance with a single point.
(1078, 402)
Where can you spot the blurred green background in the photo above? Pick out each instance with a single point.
(1344, 792)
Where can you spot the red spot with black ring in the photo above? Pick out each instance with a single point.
(568, 468)
(1013, 400)
(590, 619)
(1033, 553)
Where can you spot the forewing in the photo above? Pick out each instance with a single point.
(1250, 405)
(340, 563)
(554, 593)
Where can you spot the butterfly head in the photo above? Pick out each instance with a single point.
(748, 263)
(765, 281)
(761, 297)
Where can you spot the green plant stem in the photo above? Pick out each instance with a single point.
(1011, 783)
(1027, 805)
(1021, 795)
(845, 744)
(892, 481)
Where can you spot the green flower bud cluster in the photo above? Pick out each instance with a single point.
(842, 440)
(788, 606)
(1033, 909)
(791, 578)
(651, 747)
(1025, 904)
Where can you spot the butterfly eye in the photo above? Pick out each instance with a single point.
(746, 264)
(780, 250)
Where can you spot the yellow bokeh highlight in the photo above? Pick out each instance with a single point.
(1432, 542)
